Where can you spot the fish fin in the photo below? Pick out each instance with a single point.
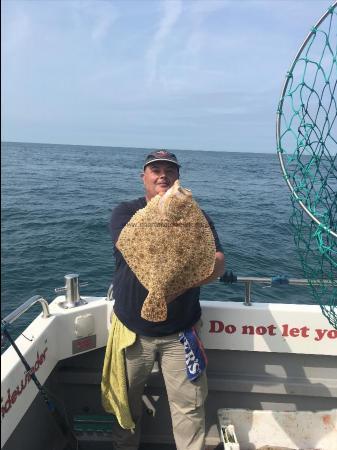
(154, 308)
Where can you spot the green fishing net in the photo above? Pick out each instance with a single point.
(307, 150)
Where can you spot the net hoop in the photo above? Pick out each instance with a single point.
(278, 125)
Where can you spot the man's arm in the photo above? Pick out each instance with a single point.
(119, 218)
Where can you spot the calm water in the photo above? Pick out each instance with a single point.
(57, 200)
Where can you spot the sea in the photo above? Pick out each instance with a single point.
(57, 202)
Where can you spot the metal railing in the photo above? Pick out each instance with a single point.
(72, 300)
(227, 278)
(25, 306)
(280, 280)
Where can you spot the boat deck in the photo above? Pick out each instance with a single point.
(252, 370)
(144, 446)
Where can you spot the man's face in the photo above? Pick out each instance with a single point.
(158, 177)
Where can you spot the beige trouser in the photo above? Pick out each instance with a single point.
(186, 398)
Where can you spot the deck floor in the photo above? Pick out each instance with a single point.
(107, 446)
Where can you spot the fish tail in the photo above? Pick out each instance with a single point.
(154, 308)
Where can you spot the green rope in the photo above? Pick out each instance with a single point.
(307, 149)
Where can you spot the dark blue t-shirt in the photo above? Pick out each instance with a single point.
(129, 293)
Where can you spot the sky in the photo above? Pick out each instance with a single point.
(175, 74)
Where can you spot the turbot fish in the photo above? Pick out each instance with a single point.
(169, 246)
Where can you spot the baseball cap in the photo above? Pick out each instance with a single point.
(161, 155)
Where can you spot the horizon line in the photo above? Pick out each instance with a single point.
(139, 148)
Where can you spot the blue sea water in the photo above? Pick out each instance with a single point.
(57, 201)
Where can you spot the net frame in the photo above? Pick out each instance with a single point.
(278, 123)
(322, 235)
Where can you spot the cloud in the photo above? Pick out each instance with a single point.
(172, 69)
(98, 17)
(102, 27)
(200, 10)
(172, 12)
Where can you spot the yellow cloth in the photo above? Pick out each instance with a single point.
(113, 385)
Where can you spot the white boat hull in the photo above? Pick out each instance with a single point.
(263, 357)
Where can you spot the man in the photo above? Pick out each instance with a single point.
(159, 339)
